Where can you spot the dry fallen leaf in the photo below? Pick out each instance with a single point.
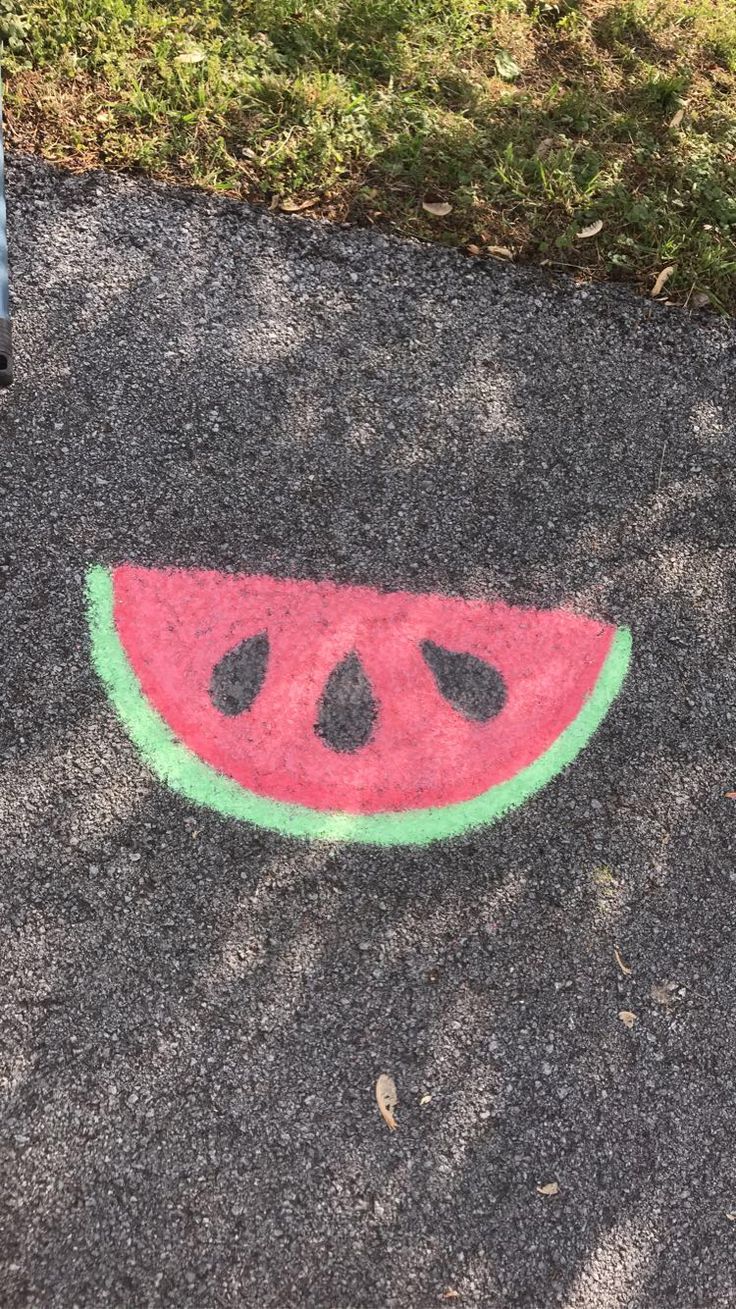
(664, 993)
(294, 207)
(730, 795)
(450, 1294)
(731, 1215)
(593, 230)
(190, 57)
(473, 249)
(438, 208)
(664, 276)
(677, 118)
(627, 1018)
(387, 1099)
(500, 251)
(549, 1188)
(624, 967)
(425, 1099)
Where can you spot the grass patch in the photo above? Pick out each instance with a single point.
(534, 119)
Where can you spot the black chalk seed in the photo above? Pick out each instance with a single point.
(238, 677)
(469, 684)
(347, 710)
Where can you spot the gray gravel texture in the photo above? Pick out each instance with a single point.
(194, 1012)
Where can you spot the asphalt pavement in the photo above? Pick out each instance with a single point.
(194, 1010)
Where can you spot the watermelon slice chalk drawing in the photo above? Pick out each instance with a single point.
(343, 713)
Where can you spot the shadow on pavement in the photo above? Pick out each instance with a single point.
(196, 1011)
